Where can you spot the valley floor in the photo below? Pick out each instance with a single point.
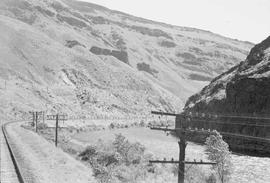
(246, 168)
(74, 140)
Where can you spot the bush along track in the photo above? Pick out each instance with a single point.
(119, 161)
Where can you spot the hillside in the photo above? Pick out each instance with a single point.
(244, 89)
(86, 60)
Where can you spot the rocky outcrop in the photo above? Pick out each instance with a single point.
(167, 44)
(120, 55)
(72, 43)
(151, 32)
(146, 67)
(199, 77)
(44, 11)
(71, 21)
(243, 89)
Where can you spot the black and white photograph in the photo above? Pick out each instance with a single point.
(145, 91)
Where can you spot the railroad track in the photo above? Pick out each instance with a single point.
(35, 160)
(13, 172)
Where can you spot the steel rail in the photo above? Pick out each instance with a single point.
(12, 155)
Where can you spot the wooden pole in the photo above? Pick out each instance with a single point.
(43, 116)
(56, 130)
(181, 165)
(33, 118)
(36, 121)
(182, 152)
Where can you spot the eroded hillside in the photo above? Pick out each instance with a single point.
(87, 60)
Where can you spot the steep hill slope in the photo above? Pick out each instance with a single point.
(243, 89)
(85, 59)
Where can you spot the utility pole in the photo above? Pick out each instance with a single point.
(43, 116)
(36, 121)
(181, 132)
(33, 113)
(56, 117)
(181, 165)
(56, 130)
(182, 152)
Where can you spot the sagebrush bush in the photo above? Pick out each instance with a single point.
(125, 162)
(118, 161)
(42, 126)
(218, 151)
(142, 123)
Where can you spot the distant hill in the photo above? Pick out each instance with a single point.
(87, 60)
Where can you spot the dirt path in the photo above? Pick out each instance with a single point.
(41, 162)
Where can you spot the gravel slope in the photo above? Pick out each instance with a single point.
(41, 162)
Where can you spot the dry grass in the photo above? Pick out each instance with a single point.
(245, 168)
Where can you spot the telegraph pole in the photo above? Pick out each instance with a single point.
(43, 116)
(57, 117)
(56, 130)
(182, 153)
(33, 113)
(36, 120)
(181, 165)
(182, 132)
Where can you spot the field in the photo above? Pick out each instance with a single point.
(246, 168)
(159, 144)
(156, 142)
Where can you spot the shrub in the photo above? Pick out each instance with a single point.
(136, 124)
(70, 150)
(122, 126)
(142, 124)
(42, 126)
(192, 173)
(211, 179)
(118, 161)
(112, 126)
(218, 151)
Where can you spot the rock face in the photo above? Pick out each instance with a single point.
(241, 90)
(146, 67)
(120, 55)
(72, 43)
(87, 60)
